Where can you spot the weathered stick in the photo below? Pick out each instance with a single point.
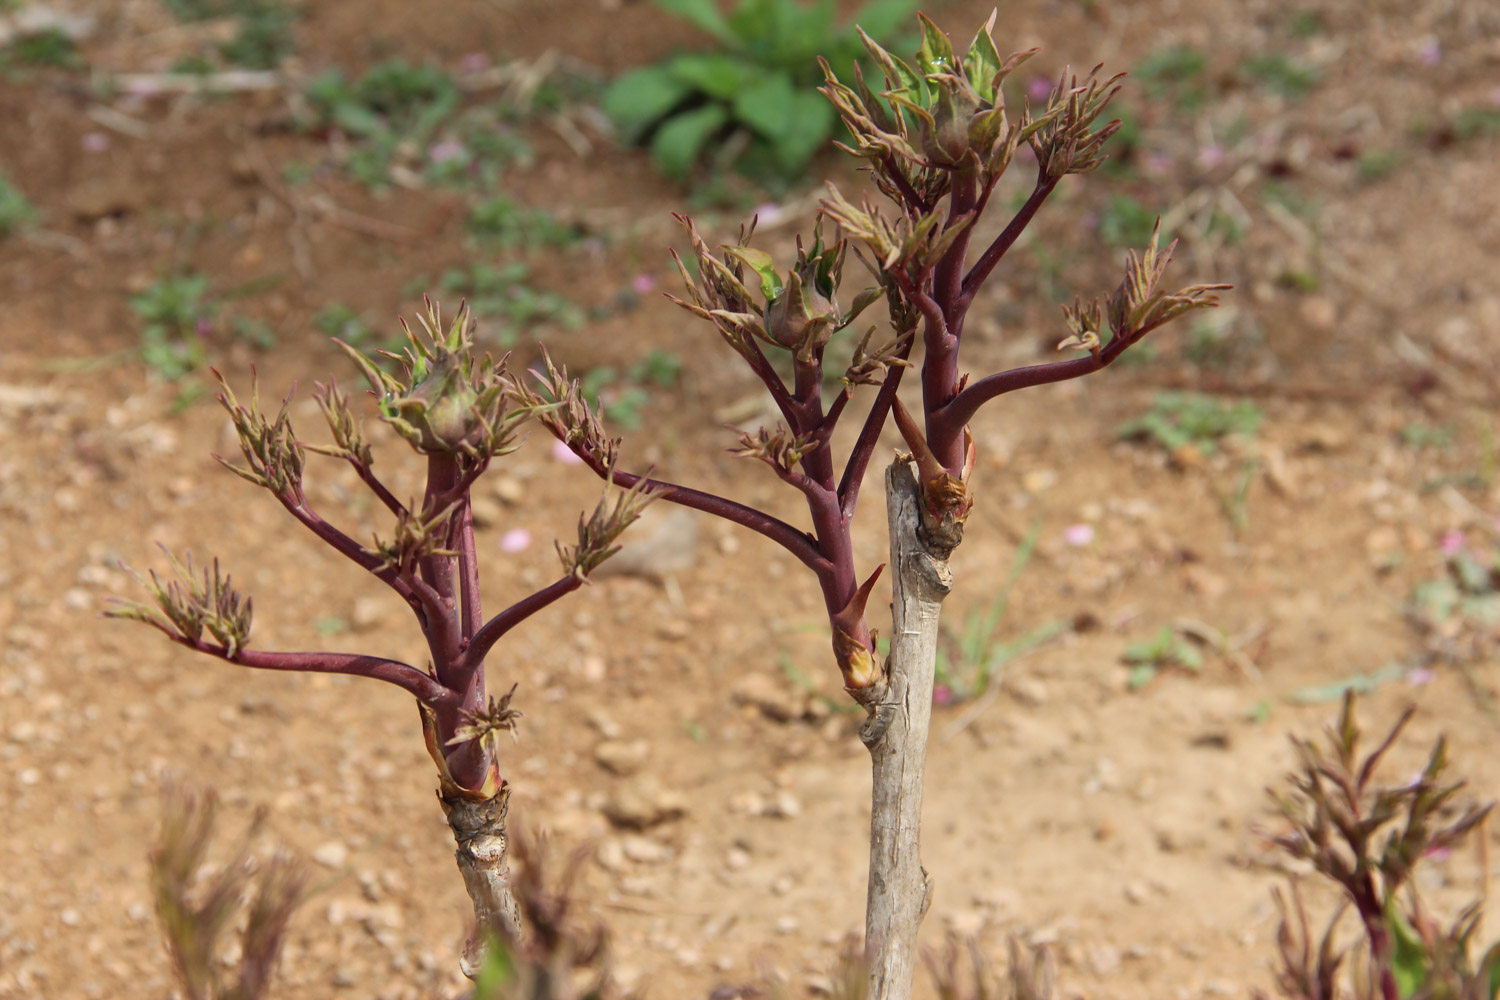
(896, 736)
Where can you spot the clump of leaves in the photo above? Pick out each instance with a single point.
(1178, 421)
(504, 298)
(502, 222)
(391, 113)
(1459, 613)
(263, 28)
(752, 105)
(51, 47)
(1166, 649)
(14, 208)
(1368, 838)
(177, 314)
(1125, 222)
(199, 905)
(1281, 74)
(620, 398)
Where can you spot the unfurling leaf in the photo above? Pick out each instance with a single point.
(598, 533)
(273, 456)
(486, 724)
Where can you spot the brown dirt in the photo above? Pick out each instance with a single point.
(1121, 825)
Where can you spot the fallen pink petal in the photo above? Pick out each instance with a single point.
(1420, 676)
(643, 284)
(1078, 535)
(1453, 543)
(515, 540)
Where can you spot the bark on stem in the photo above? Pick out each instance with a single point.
(483, 855)
(896, 736)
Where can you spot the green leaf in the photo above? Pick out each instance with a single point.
(678, 143)
(717, 75)
(640, 98)
(808, 127)
(703, 14)
(1140, 676)
(982, 62)
(766, 105)
(1187, 655)
(1410, 961)
(761, 263)
(936, 54)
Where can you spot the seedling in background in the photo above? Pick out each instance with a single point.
(1458, 614)
(1369, 839)
(752, 106)
(968, 661)
(199, 906)
(460, 411)
(391, 112)
(51, 47)
(620, 400)
(503, 297)
(177, 316)
(1178, 421)
(1281, 74)
(1165, 650)
(1125, 222)
(263, 28)
(15, 210)
(501, 222)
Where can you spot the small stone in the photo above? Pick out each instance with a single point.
(784, 806)
(78, 599)
(783, 885)
(368, 612)
(611, 855)
(1028, 691)
(331, 855)
(769, 695)
(1104, 959)
(1038, 480)
(1135, 892)
(487, 512)
(642, 804)
(30, 776)
(621, 757)
(509, 491)
(69, 917)
(787, 924)
(1319, 312)
(645, 850)
(737, 859)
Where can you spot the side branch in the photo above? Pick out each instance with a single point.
(297, 505)
(408, 678)
(491, 631)
(961, 409)
(869, 434)
(796, 542)
(1007, 238)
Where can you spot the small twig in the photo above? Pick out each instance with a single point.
(230, 81)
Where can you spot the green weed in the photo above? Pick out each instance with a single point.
(45, 48)
(1181, 420)
(503, 296)
(1125, 222)
(1377, 163)
(759, 86)
(622, 399)
(1166, 649)
(504, 223)
(1281, 74)
(969, 660)
(14, 208)
(263, 28)
(176, 315)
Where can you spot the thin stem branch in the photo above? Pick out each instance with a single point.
(869, 434)
(297, 505)
(961, 408)
(1007, 238)
(909, 194)
(798, 543)
(491, 631)
(423, 686)
(384, 495)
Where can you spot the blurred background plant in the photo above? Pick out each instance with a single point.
(1368, 839)
(751, 105)
(199, 905)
